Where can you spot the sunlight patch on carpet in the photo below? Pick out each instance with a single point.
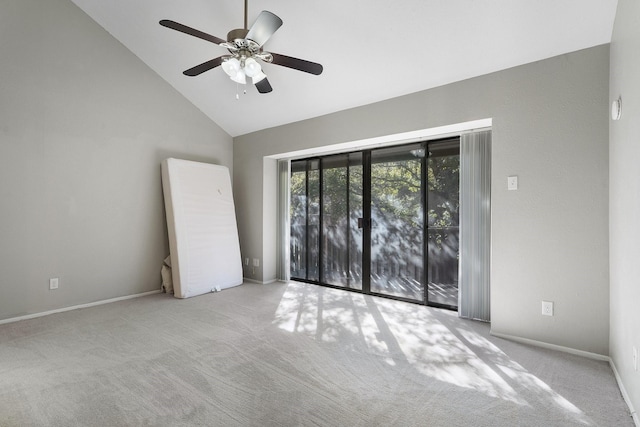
(419, 336)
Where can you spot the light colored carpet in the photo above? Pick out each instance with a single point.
(289, 355)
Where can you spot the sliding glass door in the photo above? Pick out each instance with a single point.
(382, 221)
(443, 231)
(305, 219)
(397, 222)
(341, 208)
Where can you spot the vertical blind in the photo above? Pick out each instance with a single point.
(282, 270)
(475, 226)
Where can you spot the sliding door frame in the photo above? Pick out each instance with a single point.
(367, 219)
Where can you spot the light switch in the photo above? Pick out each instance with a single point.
(512, 182)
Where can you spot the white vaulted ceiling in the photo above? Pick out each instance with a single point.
(371, 50)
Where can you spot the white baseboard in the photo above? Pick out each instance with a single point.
(76, 307)
(587, 354)
(246, 279)
(542, 344)
(624, 393)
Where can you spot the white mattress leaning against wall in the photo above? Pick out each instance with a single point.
(201, 221)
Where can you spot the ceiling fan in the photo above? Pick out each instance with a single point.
(245, 46)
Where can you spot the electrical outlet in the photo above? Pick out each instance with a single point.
(547, 308)
(53, 283)
(256, 262)
(635, 358)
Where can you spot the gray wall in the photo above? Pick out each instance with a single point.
(624, 196)
(84, 125)
(549, 238)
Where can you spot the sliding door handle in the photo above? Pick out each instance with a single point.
(364, 223)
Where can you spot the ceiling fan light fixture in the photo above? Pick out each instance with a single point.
(251, 67)
(240, 77)
(231, 67)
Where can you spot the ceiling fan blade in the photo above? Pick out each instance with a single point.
(191, 31)
(205, 66)
(264, 86)
(264, 27)
(297, 64)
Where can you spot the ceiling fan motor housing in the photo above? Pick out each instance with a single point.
(241, 47)
(238, 33)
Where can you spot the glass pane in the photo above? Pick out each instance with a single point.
(443, 180)
(298, 220)
(342, 203)
(397, 222)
